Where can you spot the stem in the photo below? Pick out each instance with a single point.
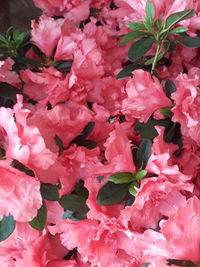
(155, 58)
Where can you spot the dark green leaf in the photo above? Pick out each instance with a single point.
(18, 66)
(147, 130)
(121, 178)
(170, 88)
(131, 36)
(65, 65)
(184, 263)
(169, 132)
(49, 192)
(81, 190)
(38, 52)
(139, 48)
(21, 167)
(111, 194)
(129, 200)
(191, 42)
(39, 221)
(88, 129)
(158, 24)
(144, 153)
(145, 264)
(89, 144)
(29, 61)
(59, 143)
(73, 202)
(177, 17)
(2, 38)
(178, 30)
(137, 26)
(127, 71)
(7, 226)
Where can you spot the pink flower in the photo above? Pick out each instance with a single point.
(181, 231)
(187, 99)
(6, 73)
(74, 10)
(19, 194)
(144, 96)
(46, 34)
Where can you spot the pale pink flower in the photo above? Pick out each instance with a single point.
(19, 194)
(145, 95)
(46, 34)
(181, 231)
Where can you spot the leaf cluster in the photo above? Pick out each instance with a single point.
(155, 32)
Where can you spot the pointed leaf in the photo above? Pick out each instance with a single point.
(49, 192)
(133, 188)
(150, 10)
(191, 42)
(178, 30)
(131, 36)
(74, 202)
(139, 48)
(144, 153)
(127, 71)
(39, 221)
(137, 26)
(140, 174)
(121, 178)
(111, 194)
(81, 190)
(7, 226)
(177, 17)
(170, 88)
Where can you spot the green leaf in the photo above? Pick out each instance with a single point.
(65, 65)
(177, 17)
(81, 190)
(74, 202)
(140, 174)
(8, 91)
(178, 30)
(170, 88)
(150, 10)
(7, 227)
(111, 194)
(29, 61)
(144, 153)
(2, 39)
(184, 263)
(21, 167)
(89, 144)
(131, 36)
(145, 264)
(121, 178)
(39, 222)
(49, 192)
(139, 48)
(191, 42)
(132, 188)
(158, 24)
(150, 61)
(127, 71)
(74, 216)
(129, 200)
(136, 26)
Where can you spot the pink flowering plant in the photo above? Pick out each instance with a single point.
(99, 136)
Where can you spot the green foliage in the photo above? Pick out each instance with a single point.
(49, 192)
(184, 263)
(170, 88)
(144, 153)
(39, 222)
(127, 70)
(7, 226)
(155, 31)
(121, 178)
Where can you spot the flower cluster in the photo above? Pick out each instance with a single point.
(100, 136)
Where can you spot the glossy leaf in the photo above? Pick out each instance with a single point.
(178, 30)
(190, 42)
(39, 221)
(81, 190)
(121, 178)
(111, 194)
(170, 88)
(132, 36)
(137, 26)
(139, 48)
(7, 227)
(150, 10)
(127, 71)
(140, 174)
(74, 203)
(49, 192)
(144, 153)
(177, 17)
